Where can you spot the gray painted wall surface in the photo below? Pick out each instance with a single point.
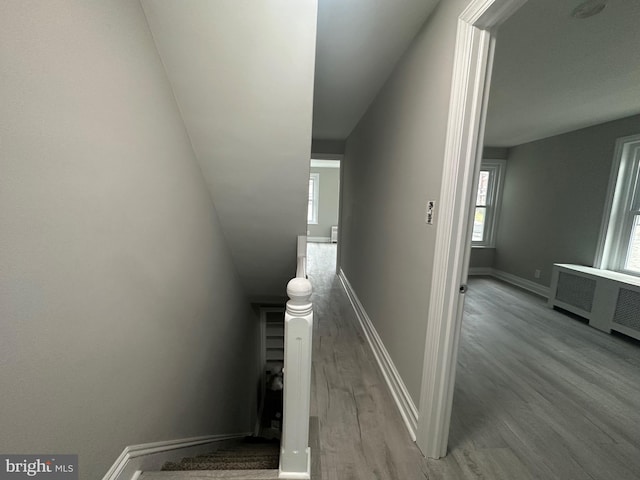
(553, 201)
(242, 74)
(327, 146)
(392, 166)
(482, 257)
(495, 153)
(120, 308)
(328, 200)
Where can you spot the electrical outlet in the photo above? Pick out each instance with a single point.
(431, 206)
(536, 274)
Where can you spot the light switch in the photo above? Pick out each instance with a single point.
(431, 205)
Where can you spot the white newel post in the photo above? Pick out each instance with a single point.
(295, 457)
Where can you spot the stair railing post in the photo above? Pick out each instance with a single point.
(295, 457)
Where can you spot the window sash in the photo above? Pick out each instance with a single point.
(487, 202)
(632, 257)
(620, 249)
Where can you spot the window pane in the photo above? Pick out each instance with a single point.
(483, 186)
(478, 224)
(633, 254)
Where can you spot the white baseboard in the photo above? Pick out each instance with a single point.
(319, 239)
(399, 391)
(151, 456)
(523, 283)
(485, 271)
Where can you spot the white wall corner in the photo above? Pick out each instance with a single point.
(399, 391)
(135, 459)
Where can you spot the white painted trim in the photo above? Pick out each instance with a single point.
(340, 218)
(497, 170)
(316, 198)
(327, 156)
(324, 163)
(319, 239)
(298, 341)
(399, 391)
(463, 149)
(485, 271)
(298, 475)
(523, 283)
(131, 456)
(607, 251)
(520, 282)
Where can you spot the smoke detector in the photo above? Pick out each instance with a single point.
(588, 9)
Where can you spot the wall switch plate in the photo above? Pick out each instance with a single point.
(536, 274)
(431, 205)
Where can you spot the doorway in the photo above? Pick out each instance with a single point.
(323, 211)
(464, 153)
(473, 57)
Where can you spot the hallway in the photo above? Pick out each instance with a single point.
(362, 435)
(538, 394)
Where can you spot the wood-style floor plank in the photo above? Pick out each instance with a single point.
(539, 395)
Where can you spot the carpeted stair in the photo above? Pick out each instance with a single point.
(248, 455)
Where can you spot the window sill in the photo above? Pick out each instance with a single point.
(483, 246)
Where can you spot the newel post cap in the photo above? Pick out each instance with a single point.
(299, 290)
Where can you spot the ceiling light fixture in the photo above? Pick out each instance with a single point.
(588, 9)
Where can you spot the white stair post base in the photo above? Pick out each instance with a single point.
(295, 453)
(306, 475)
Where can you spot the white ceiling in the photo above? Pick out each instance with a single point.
(554, 73)
(358, 44)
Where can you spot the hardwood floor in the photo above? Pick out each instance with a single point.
(539, 395)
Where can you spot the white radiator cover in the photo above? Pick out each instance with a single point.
(609, 300)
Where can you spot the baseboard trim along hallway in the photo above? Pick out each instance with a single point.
(399, 391)
(151, 456)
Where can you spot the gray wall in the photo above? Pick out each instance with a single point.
(392, 166)
(242, 73)
(553, 201)
(482, 257)
(120, 309)
(321, 146)
(328, 198)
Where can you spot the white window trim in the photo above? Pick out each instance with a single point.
(494, 201)
(316, 197)
(615, 229)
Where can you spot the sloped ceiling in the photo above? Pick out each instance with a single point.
(242, 75)
(554, 73)
(359, 44)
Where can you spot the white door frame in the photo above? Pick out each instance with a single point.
(475, 42)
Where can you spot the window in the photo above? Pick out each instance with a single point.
(312, 208)
(621, 227)
(487, 202)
